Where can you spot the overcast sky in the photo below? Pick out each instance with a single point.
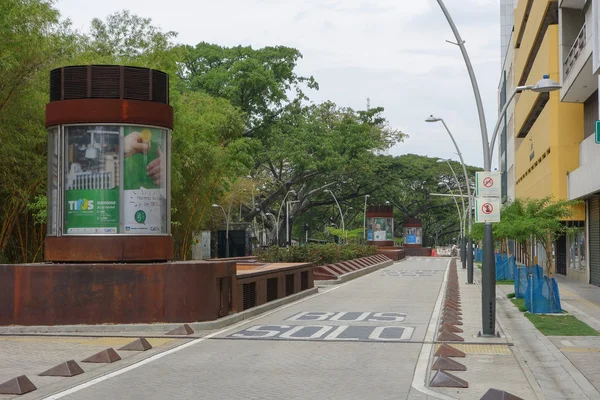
(391, 51)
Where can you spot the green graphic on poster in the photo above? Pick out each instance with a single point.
(144, 180)
(381, 229)
(92, 200)
(92, 211)
(143, 149)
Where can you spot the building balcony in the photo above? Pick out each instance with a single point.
(577, 4)
(532, 19)
(529, 104)
(585, 180)
(578, 81)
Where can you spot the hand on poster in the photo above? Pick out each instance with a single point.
(136, 142)
(156, 168)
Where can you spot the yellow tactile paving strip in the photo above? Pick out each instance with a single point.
(566, 294)
(580, 349)
(96, 341)
(480, 349)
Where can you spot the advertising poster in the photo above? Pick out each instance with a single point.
(379, 229)
(412, 235)
(91, 187)
(389, 229)
(144, 181)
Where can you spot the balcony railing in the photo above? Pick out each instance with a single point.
(576, 49)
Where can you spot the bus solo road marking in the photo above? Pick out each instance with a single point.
(320, 332)
(348, 316)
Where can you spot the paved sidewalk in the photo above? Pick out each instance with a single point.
(559, 374)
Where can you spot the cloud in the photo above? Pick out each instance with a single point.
(393, 51)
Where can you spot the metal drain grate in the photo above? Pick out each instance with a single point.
(304, 280)
(289, 284)
(272, 284)
(249, 295)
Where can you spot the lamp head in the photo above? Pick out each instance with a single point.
(215, 205)
(431, 118)
(546, 85)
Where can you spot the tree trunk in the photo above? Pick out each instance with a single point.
(549, 255)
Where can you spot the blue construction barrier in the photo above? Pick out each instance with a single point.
(501, 267)
(478, 255)
(541, 295)
(521, 277)
(511, 267)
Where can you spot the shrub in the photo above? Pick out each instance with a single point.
(318, 254)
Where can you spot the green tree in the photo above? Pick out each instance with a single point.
(258, 81)
(33, 39)
(524, 220)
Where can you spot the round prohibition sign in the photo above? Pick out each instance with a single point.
(488, 182)
(487, 208)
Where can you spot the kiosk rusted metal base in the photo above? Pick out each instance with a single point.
(82, 249)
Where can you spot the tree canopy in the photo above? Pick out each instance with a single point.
(244, 125)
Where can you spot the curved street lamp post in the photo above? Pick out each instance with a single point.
(431, 118)
(463, 244)
(489, 267)
(339, 208)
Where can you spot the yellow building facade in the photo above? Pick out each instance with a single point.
(547, 131)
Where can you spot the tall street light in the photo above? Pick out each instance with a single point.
(287, 221)
(469, 252)
(339, 208)
(489, 268)
(365, 217)
(276, 226)
(280, 208)
(227, 229)
(463, 244)
(460, 218)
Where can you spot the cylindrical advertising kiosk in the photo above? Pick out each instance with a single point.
(380, 226)
(413, 232)
(109, 131)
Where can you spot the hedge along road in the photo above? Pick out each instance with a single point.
(361, 339)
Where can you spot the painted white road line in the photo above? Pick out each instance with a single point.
(420, 377)
(186, 345)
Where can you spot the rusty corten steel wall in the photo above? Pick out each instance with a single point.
(71, 294)
(417, 251)
(108, 248)
(260, 278)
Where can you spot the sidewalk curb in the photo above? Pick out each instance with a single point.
(354, 274)
(421, 375)
(162, 328)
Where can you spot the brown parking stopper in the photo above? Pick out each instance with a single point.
(450, 328)
(456, 313)
(495, 394)
(452, 321)
(182, 330)
(444, 379)
(446, 336)
(18, 385)
(105, 356)
(68, 369)
(140, 344)
(448, 364)
(445, 350)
